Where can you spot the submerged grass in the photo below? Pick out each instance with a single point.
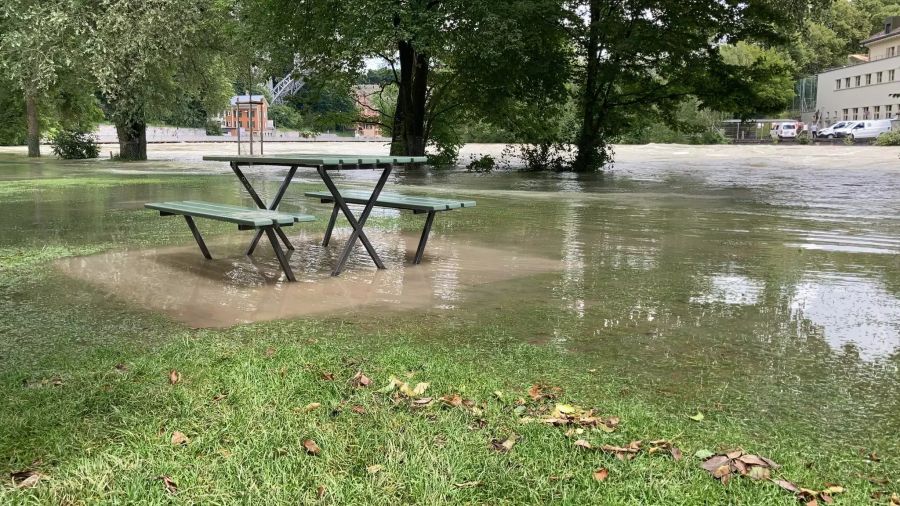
(89, 404)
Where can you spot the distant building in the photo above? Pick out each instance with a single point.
(365, 96)
(862, 90)
(247, 113)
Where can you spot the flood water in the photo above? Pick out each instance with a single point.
(762, 277)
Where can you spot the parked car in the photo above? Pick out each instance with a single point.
(784, 130)
(844, 131)
(869, 129)
(828, 132)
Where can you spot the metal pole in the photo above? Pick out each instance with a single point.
(237, 120)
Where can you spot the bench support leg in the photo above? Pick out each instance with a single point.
(272, 205)
(420, 251)
(197, 237)
(356, 224)
(334, 213)
(285, 266)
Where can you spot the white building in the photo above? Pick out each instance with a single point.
(863, 89)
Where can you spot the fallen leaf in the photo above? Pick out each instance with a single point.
(121, 367)
(504, 445)
(360, 380)
(601, 474)
(26, 479)
(759, 473)
(722, 471)
(698, 417)
(374, 469)
(753, 460)
(169, 483)
(733, 454)
(359, 410)
(581, 443)
(311, 406)
(270, 352)
(320, 491)
(895, 499)
(467, 484)
(174, 377)
(832, 489)
(565, 409)
(219, 397)
(498, 394)
(812, 502)
(311, 447)
(715, 462)
(703, 454)
(424, 401)
(453, 401)
(328, 376)
(790, 487)
(676, 453)
(179, 439)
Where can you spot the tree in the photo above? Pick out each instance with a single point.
(150, 57)
(437, 52)
(37, 44)
(634, 56)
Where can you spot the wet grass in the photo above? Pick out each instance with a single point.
(89, 404)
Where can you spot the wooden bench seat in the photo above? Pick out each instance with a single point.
(413, 203)
(245, 218)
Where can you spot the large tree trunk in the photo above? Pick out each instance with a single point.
(132, 139)
(34, 126)
(590, 140)
(408, 133)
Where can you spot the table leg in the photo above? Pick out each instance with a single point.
(331, 221)
(272, 205)
(357, 225)
(285, 266)
(420, 251)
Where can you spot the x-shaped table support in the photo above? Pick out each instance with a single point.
(356, 223)
(272, 205)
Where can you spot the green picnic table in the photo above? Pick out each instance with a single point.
(323, 163)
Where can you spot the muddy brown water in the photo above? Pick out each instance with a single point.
(759, 276)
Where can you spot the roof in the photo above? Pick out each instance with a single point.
(879, 37)
(254, 99)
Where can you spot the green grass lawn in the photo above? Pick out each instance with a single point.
(89, 403)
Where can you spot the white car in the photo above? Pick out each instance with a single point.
(828, 132)
(784, 130)
(844, 131)
(869, 129)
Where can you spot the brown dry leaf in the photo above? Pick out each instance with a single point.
(359, 410)
(26, 479)
(676, 453)
(581, 443)
(812, 502)
(311, 447)
(790, 487)
(219, 397)
(505, 445)
(832, 488)
(538, 392)
(312, 405)
(753, 460)
(328, 376)
(733, 454)
(374, 469)
(722, 471)
(360, 380)
(467, 484)
(623, 453)
(453, 401)
(179, 439)
(421, 403)
(270, 352)
(174, 377)
(320, 491)
(715, 462)
(895, 499)
(601, 474)
(169, 483)
(759, 473)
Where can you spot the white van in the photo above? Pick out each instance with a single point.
(784, 130)
(869, 129)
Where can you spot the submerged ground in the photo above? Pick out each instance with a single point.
(757, 285)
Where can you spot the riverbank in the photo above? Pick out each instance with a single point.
(757, 289)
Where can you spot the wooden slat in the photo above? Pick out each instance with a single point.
(395, 201)
(296, 217)
(232, 214)
(330, 160)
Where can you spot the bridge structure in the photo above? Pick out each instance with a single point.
(286, 86)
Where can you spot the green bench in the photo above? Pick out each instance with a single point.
(418, 205)
(263, 220)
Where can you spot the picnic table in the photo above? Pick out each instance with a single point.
(323, 163)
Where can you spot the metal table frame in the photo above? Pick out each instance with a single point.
(356, 223)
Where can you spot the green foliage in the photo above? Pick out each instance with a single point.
(891, 138)
(12, 115)
(804, 138)
(74, 144)
(759, 81)
(688, 123)
(286, 117)
(484, 164)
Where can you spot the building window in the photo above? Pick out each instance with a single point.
(890, 51)
(890, 75)
(888, 114)
(868, 78)
(837, 84)
(878, 77)
(865, 113)
(877, 112)
(846, 82)
(846, 117)
(856, 81)
(856, 113)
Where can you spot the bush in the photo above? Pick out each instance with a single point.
(803, 138)
(213, 127)
(849, 141)
(484, 164)
(888, 139)
(74, 144)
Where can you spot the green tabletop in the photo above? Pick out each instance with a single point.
(316, 159)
